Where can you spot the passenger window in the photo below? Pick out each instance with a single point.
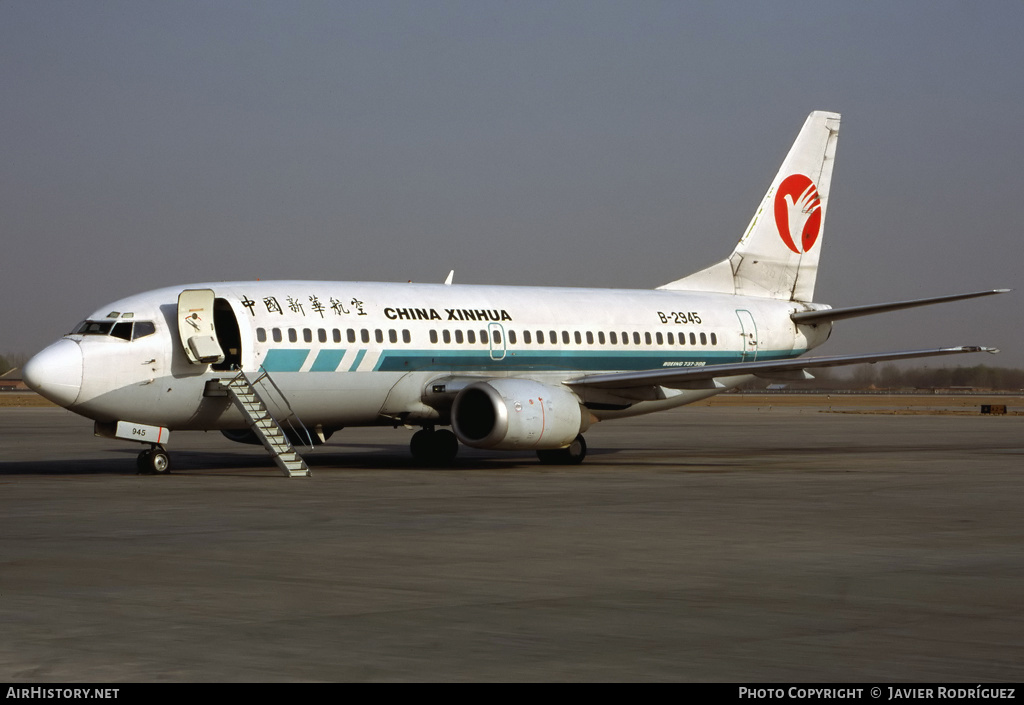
(636, 338)
(447, 336)
(470, 336)
(540, 337)
(565, 337)
(600, 337)
(647, 338)
(276, 333)
(378, 335)
(714, 339)
(293, 335)
(483, 337)
(693, 339)
(364, 335)
(321, 335)
(261, 335)
(393, 335)
(458, 337)
(406, 336)
(511, 337)
(659, 338)
(526, 337)
(671, 338)
(337, 335)
(307, 335)
(351, 335)
(703, 339)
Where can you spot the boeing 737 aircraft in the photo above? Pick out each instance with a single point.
(508, 368)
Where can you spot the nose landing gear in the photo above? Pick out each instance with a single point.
(154, 461)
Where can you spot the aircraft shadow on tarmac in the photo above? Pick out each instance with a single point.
(679, 457)
(350, 456)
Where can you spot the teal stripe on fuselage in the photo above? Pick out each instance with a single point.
(327, 361)
(589, 360)
(278, 360)
(359, 358)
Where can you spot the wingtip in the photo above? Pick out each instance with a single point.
(974, 349)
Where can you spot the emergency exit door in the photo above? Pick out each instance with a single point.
(748, 332)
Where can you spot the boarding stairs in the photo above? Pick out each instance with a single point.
(242, 391)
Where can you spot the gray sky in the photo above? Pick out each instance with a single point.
(619, 144)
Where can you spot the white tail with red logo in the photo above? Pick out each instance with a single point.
(777, 257)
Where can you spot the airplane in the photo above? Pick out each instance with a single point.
(279, 363)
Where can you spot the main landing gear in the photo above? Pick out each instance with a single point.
(571, 455)
(154, 461)
(432, 447)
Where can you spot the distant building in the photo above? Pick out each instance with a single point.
(11, 381)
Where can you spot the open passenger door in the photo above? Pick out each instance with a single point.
(196, 327)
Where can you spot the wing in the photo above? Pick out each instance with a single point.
(633, 384)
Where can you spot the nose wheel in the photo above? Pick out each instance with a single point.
(154, 461)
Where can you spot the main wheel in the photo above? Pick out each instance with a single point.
(573, 454)
(420, 444)
(431, 447)
(445, 447)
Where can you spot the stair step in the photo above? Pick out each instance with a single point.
(248, 400)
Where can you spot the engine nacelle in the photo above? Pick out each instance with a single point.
(516, 414)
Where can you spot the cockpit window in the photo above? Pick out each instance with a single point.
(142, 329)
(125, 330)
(122, 330)
(94, 328)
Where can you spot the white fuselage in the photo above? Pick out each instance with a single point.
(357, 353)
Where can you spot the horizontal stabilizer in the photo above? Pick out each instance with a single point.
(836, 314)
(684, 379)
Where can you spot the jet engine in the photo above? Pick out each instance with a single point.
(517, 414)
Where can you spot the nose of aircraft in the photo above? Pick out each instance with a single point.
(56, 372)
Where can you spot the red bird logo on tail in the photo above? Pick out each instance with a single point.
(798, 213)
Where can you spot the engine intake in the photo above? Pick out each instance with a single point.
(511, 414)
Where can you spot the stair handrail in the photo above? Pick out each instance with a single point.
(265, 374)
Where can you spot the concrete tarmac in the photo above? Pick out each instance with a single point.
(703, 544)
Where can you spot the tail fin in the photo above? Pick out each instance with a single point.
(777, 257)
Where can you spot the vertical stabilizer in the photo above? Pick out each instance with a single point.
(777, 257)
